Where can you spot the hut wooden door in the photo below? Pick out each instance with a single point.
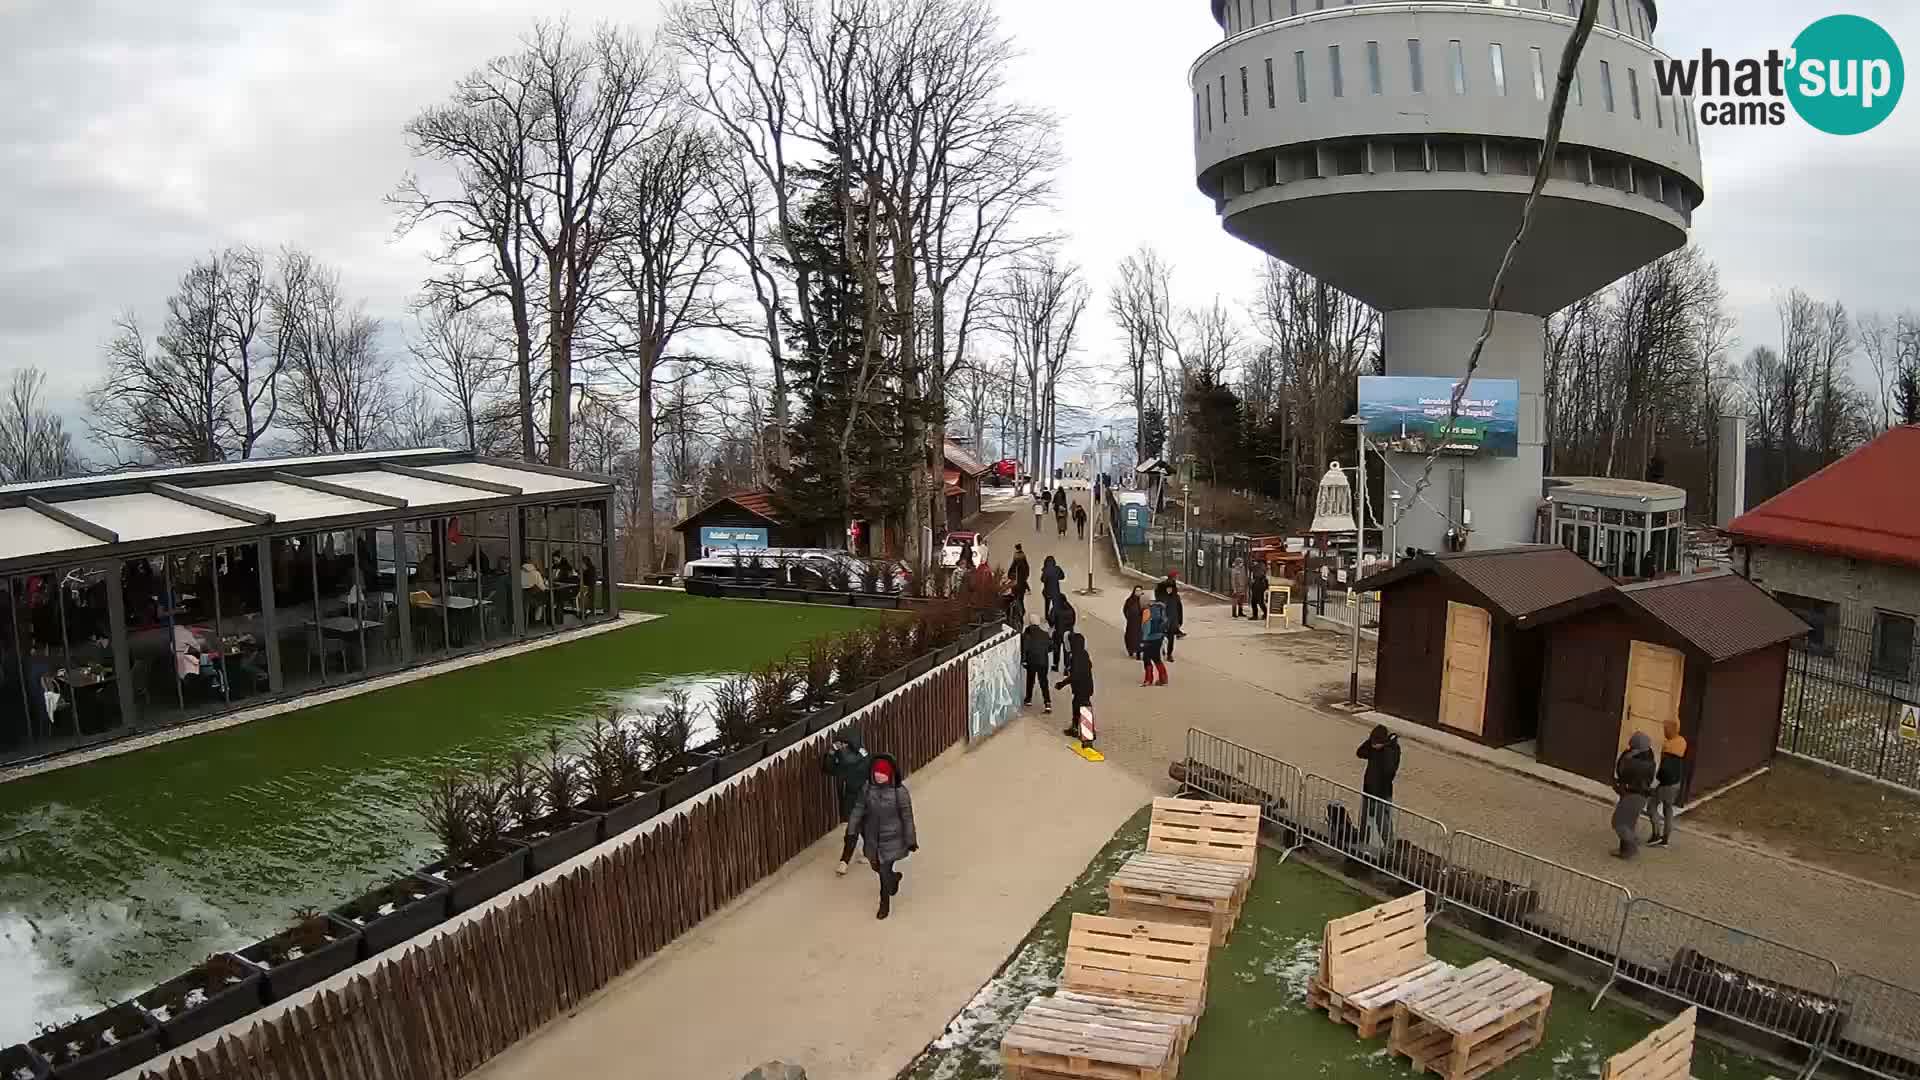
(1655, 675)
(1463, 679)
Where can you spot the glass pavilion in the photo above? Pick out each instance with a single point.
(137, 600)
(1627, 528)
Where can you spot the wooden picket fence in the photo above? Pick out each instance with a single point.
(440, 1010)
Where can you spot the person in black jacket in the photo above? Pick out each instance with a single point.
(1050, 592)
(1080, 677)
(1381, 752)
(1018, 571)
(1168, 593)
(1034, 644)
(1633, 779)
(847, 762)
(1134, 612)
(1062, 620)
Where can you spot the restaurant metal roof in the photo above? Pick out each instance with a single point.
(1861, 506)
(1517, 582)
(125, 513)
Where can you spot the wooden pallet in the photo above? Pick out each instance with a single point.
(1220, 832)
(1065, 1037)
(1370, 1011)
(1469, 1025)
(1156, 964)
(1667, 1054)
(1371, 947)
(1178, 889)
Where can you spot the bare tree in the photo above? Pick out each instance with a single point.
(459, 354)
(664, 268)
(339, 399)
(169, 400)
(1039, 313)
(34, 441)
(1322, 341)
(1141, 303)
(536, 138)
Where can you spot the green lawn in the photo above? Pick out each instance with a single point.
(128, 869)
(1257, 1023)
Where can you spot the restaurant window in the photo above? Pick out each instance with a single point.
(1300, 75)
(56, 662)
(1609, 516)
(1333, 65)
(1633, 90)
(1373, 68)
(1270, 101)
(427, 587)
(243, 633)
(1821, 616)
(1458, 61)
(1208, 91)
(1416, 78)
(1893, 646)
(1606, 85)
(1579, 97)
(1497, 57)
(1245, 103)
(1615, 5)
(1539, 74)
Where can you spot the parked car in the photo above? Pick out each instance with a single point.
(950, 551)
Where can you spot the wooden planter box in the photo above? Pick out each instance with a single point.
(792, 596)
(875, 600)
(17, 1060)
(889, 682)
(567, 834)
(858, 699)
(948, 653)
(828, 596)
(920, 666)
(739, 761)
(824, 717)
(221, 1006)
(137, 1040)
(292, 976)
(468, 888)
(630, 812)
(414, 905)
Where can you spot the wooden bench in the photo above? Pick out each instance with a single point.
(1193, 846)
(1143, 973)
(1371, 959)
(1667, 1054)
(1473, 1023)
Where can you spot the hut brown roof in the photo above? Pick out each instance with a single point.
(1516, 582)
(1722, 614)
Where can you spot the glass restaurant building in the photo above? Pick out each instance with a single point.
(137, 600)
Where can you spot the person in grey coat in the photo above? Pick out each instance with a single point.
(883, 820)
(1633, 779)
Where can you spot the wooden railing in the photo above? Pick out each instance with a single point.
(440, 1009)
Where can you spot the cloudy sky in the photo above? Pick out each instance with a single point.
(140, 134)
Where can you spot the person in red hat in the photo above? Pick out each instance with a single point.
(883, 821)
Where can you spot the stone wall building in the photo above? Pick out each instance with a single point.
(1841, 549)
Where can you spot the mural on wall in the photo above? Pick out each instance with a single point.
(993, 688)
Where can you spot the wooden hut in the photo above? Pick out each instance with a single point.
(1458, 649)
(1707, 650)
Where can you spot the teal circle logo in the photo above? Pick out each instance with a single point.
(1846, 75)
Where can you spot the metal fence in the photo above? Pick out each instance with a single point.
(1879, 1030)
(1204, 559)
(1776, 988)
(1558, 904)
(1845, 696)
(1790, 993)
(1225, 770)
(1334, 601)
(1392, 839)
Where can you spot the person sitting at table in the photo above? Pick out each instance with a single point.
(189, 660)
(533, 586)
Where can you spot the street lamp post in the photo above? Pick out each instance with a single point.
(1359, 426)
(1093, 520)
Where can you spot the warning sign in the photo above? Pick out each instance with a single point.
(1910, 722)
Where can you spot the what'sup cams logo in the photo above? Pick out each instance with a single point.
(1843, 76)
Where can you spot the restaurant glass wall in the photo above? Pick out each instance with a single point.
(426, 548)
(535, 566)
(306, 654)
(593, 576)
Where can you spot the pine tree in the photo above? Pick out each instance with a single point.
(823, 488)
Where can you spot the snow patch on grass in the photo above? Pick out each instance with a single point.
(972, 1038)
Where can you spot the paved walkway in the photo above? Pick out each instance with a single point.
(799, 970)
(1263, 690)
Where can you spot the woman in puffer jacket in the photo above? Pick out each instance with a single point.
(883, 820)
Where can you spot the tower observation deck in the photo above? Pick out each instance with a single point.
(1386, 146)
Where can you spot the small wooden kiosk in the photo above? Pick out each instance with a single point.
(1706, 650)
(1458, 649)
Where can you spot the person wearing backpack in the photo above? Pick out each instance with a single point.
(847, 762)
(1080, 677)
(1151, 635)
(1035, 642)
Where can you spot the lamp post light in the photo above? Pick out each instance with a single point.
(1359, 426)
(1093, 519)
(1393, 520)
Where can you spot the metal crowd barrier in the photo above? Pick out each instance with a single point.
(1558, 904)
(1776, 988)
(1879, 1029)
(1391, 839)
(1225, 770)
